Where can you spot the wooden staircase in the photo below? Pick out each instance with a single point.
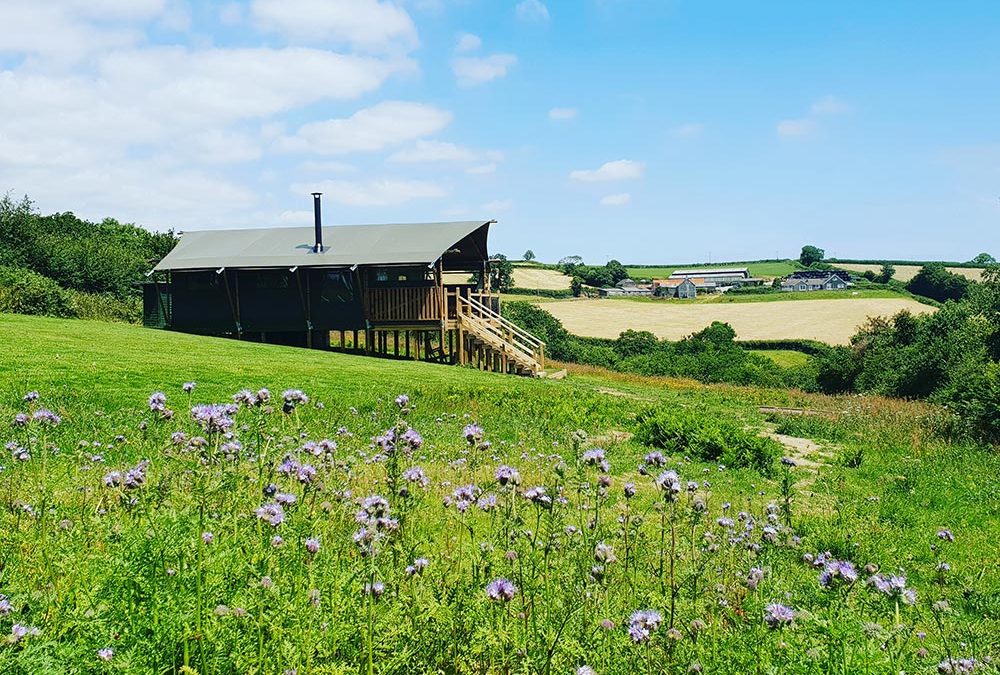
(491, 342)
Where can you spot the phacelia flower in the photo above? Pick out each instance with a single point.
(754, 577)
(893, 585)
(945, 535)
(643, 623)
(18, 632)
(272, 514)
(312, 545)
(501, 590)
(472, 433)
(158, 402)
(538, 496)
(213, 418)
(402, 400)
(207, 537)
(604, 553)
(188, 387)
(416, 475)
(45, 416)
(105, 654)
(30, 397)
(838, 571)
(670, 484)
(507, 475)
(777, 615)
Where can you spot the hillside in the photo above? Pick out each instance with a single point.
(188, 560)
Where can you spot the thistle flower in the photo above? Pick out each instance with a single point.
(188, 387)
(312, 545)
(507, 475)
(777, 615)
(642, 624)
(106, 654)
(501, 590)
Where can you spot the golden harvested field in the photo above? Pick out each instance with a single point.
(830, 321)
(906, 272)
(550, 280)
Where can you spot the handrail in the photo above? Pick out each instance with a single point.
(483, 330)
(506, 323)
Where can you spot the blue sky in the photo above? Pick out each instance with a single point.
(648, 131)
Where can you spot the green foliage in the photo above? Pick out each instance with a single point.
(983, 260)
(885, 274)
(811, 255)
(106, 257)
(684, 431)
(528, 256)
(25, 292)
(501, 273)
(576, 286)
(936, 282)
(603, 276)
(541, 292)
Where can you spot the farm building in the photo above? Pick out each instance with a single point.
(324, 287)
(736, 276)
(829, 282)
(625, 287)
(685, 287)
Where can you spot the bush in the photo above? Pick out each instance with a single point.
(25, 292)
(105, 307)
(934, 281)
(706, 437)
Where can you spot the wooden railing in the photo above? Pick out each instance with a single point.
(403, 304)
(453, 292)
(504, 331)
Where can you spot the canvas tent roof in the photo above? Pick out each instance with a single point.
(458, 243)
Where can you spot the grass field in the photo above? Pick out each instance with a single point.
(531, 277)
(768, 269)
(173, 565)
(906, 272)
(833, 321)
(785, 358)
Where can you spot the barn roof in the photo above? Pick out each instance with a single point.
(457, 243)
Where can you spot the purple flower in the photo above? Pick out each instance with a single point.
(894, 586)
(18, 632)
(593, 457)
(213, 418)
(585, 670)
(642, 624)
(945, 535)
(670, 483)
(629, 490)
(106, 654)
(18, 453)
(271, 514)
(604, 553)
(463, 497)
(417, 568)
(188, 387)
(959, 666)
(158, 402)
(537, 496)
(21, 419)
(507, 475)
(207, 537)
(416, 475)
(46, 416)
(501, 590)
(277, 541)
(777, 615)
(472, 433)
(30, 397)
(838, 571)
(375, 590)
(5, 607)
(754, 577)
(312, 545)
(285, 498)
(402, 400)
(487, 502)
(293, 398)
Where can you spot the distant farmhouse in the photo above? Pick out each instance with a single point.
(626, 287)
(816, 280)
(689, 283)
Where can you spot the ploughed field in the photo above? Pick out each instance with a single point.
(833, 321)
(301, 512)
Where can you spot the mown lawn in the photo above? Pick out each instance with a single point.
(172, 565)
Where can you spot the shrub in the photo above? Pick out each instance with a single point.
(683, 431)
(25, 292)
(934, 281)
(105, 307)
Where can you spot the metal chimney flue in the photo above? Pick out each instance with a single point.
(318, 218)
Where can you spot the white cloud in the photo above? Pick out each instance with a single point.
(561, 114)
(532, 10)
(830, 105)
(312, 166)
(796, 128)
(432, 151)
(383, 125)
(467, 42)
(482, 169)
(176, 17)
(296, 218)
(622, 169)
(57, 31)
(689, 130)
(621, 199)
(374, 192)
(364, 24)
(218, 146)
(473, 70)
(497, 206)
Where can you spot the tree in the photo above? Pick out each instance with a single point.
(811, 255)
(501, 273)
(570, 263)
(617, 271)
(529, 255)
(984, 259)
(886, 274)
(576, 286)
(935, 282)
